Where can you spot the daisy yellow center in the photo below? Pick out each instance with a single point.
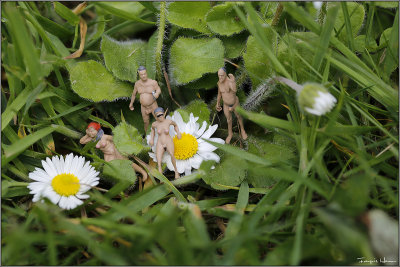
(186, 147)
(65, 184)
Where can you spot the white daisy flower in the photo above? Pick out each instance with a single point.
(63, 182)
(191, 149)
(315, 99)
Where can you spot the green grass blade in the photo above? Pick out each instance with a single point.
(266, 121)
(348, 25)
(66, 13)
(240, 153)
(14, 107)
(120, 13)
(18, 147)
(22, 39)
(326, 33)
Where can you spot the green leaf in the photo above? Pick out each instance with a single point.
(268, 10)
(66, 13)
(125, 10)
(234, 45)
(230, 172)
(199, 109)
(256, 61)
(353, 194)
(391, 61)
(191, 58)
(123, 58)
(387, 4)
(189, 15)
(384, 39)
(120, 170)
(127, 139)
(360, 42)
(208, 81)
(91, 80)
(273, 152)
(151, 56)
(356, 13)
(222, 19)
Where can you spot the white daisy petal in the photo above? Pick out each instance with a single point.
(217, 140)
(195, 161)
(211, 130)
(82, 196)
(40, 176)
(201, 130)
(206, 147)
(190, 153)
(209, 156)
(49, 168)
(180, 165)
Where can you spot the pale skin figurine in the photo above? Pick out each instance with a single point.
(149, 91)
(165, 141)
(106, 145)
(227, 90)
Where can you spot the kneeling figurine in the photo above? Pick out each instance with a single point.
(106, 145)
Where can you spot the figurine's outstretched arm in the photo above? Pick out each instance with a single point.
(133, 97)
(232, 82)
(84, 140)
(158, 90)
(218, 106)
(178, 133)
(151, 142)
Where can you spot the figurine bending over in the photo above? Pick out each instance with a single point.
(106, 145)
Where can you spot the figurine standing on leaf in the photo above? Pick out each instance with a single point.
(106, 145)
(227, 89)
(164, 141)
(149, 91)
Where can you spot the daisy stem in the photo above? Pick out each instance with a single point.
(295, 86)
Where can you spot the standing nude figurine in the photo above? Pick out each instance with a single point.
(227, 89)
(149, 91)
(165, 141)
(106, 145)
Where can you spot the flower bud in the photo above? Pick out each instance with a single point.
(315, 99)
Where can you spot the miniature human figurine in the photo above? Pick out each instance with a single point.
(227, 89)
(149, 91)
(165, 141)
(106, 145)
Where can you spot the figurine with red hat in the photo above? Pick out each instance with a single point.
(106, 145)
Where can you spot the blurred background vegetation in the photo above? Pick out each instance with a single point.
(301, 190)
